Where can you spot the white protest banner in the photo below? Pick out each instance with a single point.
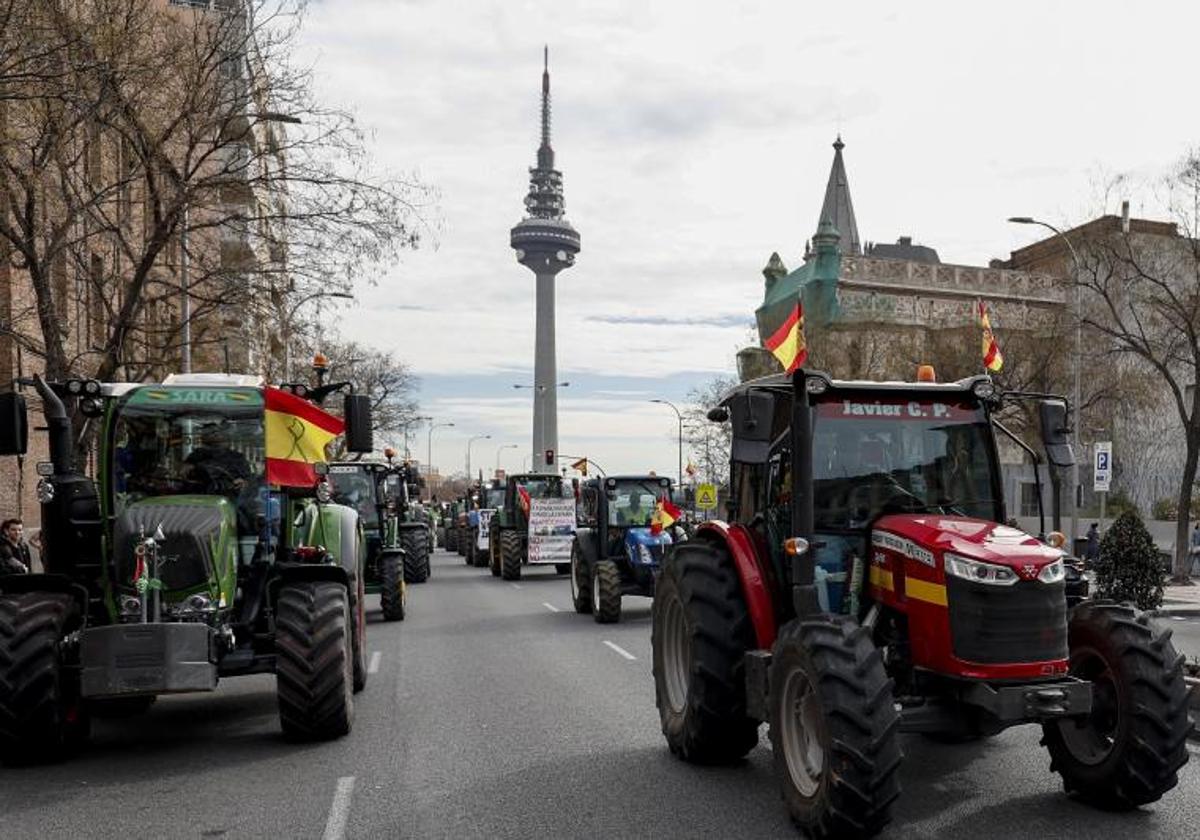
(551, 530)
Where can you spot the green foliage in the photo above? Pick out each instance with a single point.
(1164, 509)
(1119, 503)
(1129, 568)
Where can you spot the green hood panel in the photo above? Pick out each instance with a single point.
(199, 552)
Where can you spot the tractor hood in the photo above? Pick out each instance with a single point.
(198, 553)
(926, 537)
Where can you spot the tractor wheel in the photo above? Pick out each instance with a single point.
(449, 541)
(470, 555)
(480, 554)
(358, 614)
(1127, 751)
(834, 728)
(314, 672)
(606, 592)
(463, 540)
(494, 555)
(392, 593)
(699, 635)
(41, 714)
(581, 578)
(416, 561)
(510, 555)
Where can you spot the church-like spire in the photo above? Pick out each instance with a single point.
(838, 209)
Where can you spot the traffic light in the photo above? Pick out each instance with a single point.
(550, 457)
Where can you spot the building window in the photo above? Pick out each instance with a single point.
(1029, 497)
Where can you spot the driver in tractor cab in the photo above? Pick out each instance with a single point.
(635, 515)
(215, 465)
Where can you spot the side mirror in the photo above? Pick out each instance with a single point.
(753, 414)
(720, 414)
(360, 437)
(1053, 417)
(14, 424)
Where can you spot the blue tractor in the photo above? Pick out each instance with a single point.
(617, 551)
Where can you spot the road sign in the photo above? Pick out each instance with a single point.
(1102, 466)
(706, 496)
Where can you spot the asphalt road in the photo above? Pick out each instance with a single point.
(496, 712)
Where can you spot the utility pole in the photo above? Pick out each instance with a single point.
(680, 417)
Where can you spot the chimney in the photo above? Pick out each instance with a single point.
(906, 240)
(1125, 216)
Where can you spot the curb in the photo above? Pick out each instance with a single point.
(1176, 612)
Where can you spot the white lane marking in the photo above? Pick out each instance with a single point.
(620, 650)
(339, 811)
(515, 585)
(373, 668)
(550, 607)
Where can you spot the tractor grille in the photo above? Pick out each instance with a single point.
(991, 625)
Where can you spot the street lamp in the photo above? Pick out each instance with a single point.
(469, 442)
(429, 451)
(405, 425)
(501, 449)
(287, 326)
(680, 417)
(541, 392)
(1075, 396)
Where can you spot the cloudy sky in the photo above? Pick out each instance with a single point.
(695, 140)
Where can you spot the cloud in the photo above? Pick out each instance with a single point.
(667, 320)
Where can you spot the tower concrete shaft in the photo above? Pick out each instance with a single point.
(545, 243)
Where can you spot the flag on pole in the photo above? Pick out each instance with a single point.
(993, 359)
(523, 497)
(691, 468)
(781, 328)
(665, 514)
(297, 433)
(581, 465)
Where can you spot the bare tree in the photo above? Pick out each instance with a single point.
(1143, 297)
(708, 442)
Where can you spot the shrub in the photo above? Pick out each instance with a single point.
(1129, 568)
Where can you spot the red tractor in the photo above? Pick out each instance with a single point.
(865, 587)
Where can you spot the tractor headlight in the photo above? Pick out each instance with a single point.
(1053, 573)
(644, 554)
(324, 492)
(131, 607)
(979, 572)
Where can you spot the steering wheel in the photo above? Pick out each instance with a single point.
(217, 479)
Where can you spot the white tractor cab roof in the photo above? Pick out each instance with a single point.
(980, 385)
(210, 380)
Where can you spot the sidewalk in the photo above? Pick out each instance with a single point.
(1181, 601)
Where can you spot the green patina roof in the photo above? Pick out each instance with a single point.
(816, 280)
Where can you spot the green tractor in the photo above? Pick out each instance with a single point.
(376, 491)
(536, 497)
(205, 545)
(490, 502)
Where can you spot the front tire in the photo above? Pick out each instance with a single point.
(392, 592)
(834, 728)
(700, 633)
(314, 673)
(494, 555)
(479, 555)
(606, 592)
(416, 559)
(1128, 751)
(581, 579)
(41, 713)
(510, 555)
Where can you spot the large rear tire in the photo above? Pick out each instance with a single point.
(1128, 751)
(41, 714)
(700, 634)
(470, 555)
(834, 728)
(314, 675)
(392, 592)
(510, 555)
(358, 615)
(416, 558)
(606, 592)
(464, 537)
(494, 554)
(581, 579)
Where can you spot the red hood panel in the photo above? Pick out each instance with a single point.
(976, 539)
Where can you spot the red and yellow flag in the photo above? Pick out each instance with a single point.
(665, 514)
(785, 338)
(993, 359)
(297, 432)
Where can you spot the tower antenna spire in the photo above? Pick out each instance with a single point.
(546, 97)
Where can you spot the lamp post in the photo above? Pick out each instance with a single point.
(405, 426)
(287, 326)
(680, 417)
(1075, 395)
(469, 442)
(501, 449)
(429, 451)
(540, 389)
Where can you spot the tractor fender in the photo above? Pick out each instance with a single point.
(337, 528)
(34, 582)
(412, 526)
(286, 573)
(739, 543)
(588, 542)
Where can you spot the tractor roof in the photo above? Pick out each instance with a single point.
(783, 382)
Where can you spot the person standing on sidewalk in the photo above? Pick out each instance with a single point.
(1092, 552)
(14, 553)
(1194, 549)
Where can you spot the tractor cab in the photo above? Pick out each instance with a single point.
(510, 530)
(620, 544)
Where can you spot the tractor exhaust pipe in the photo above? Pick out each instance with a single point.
(58, 425)
(804, 590)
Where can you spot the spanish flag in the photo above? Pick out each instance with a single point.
(665, 514)
(781, 328)
(993, 359)
(297, 432)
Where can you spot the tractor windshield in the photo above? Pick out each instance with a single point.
(631, 502)
(873, 456)
(548, 487)
(355, 487)
(170, 442)
(495, 498)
